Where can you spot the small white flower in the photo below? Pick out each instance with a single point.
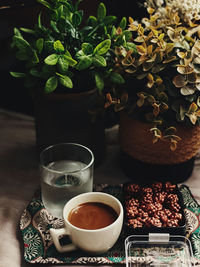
(187, 9)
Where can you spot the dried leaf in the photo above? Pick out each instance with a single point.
(155, 32)
(109, 97)
(176, 19)
(130, 20)
(156, 109)
(193, 118)
(179, 81)
(181, 54)
(169, 47)
(193, 107)
(140, 101)
(170, 59)
(149, 49)
(158, 81)
(184, 69)
(147, 66)
(141, 49)
(186, 90)
(154, 40)
(139, 39)
(152, 59)
(182, 113)
(192, 24)
(198, 101)
(198, 86)
(173, 145)
(150, 10)
(150, 80)
(192, 77)
(161, 36)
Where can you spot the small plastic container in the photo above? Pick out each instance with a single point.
(158, 250)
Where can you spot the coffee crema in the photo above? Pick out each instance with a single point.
(92, 215)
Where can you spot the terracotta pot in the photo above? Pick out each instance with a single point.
(156, 161)
(65, 118)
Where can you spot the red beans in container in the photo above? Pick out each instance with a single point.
(156, 207)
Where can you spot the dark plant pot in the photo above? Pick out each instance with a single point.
(145, 161)
(65, 118)
(144, 172)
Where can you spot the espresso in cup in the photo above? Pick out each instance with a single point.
(93, 221)
(92, 215)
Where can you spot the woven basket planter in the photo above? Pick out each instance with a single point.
(136, 142)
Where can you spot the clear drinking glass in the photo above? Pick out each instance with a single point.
(66, 170)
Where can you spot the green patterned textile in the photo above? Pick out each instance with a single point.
(35, 223)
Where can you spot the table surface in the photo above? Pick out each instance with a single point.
(19, 178)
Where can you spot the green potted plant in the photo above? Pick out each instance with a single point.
(67, 62)
(159, 125)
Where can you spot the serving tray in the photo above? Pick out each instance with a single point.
(35, 223)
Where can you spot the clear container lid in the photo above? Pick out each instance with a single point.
(158, 250)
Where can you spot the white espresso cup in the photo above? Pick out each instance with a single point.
(95, 241)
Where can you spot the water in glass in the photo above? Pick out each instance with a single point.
(63, 183)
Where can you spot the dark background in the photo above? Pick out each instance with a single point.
(24, 13)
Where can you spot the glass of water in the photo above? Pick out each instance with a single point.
(66, 170)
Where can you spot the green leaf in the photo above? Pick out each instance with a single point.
(17, 74)
(87, 48)
(113, 31)
(35, 73)
(80, 54)
(27, 30)
(123, 23)
(48, 46)
(116, 78)
(119, 40)
(35, 58)
(66, 81)
(92, 21)
(84, 63)
(51, 84)
(110, 20)
(44, 3)
(22, 44)
(101, 12)
(22, 55)
(131, 46)
(128, 35)
(17, 32)
(58, 47)
(99, 81)
(99, 61)
(63, 64)
(54, 26)
(76, 19)
(52, 59)
(39, 21)
(47, 71)
(72, 62)
(40, 44)
(67, 53)
(103, 47)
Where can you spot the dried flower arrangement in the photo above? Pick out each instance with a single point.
(165, 66)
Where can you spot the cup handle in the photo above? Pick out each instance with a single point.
(56, 233)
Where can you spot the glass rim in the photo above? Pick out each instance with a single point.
(65, 144)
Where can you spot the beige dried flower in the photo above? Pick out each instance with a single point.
(188, 10)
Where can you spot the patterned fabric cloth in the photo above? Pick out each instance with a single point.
(192, 214)
(39, 248)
